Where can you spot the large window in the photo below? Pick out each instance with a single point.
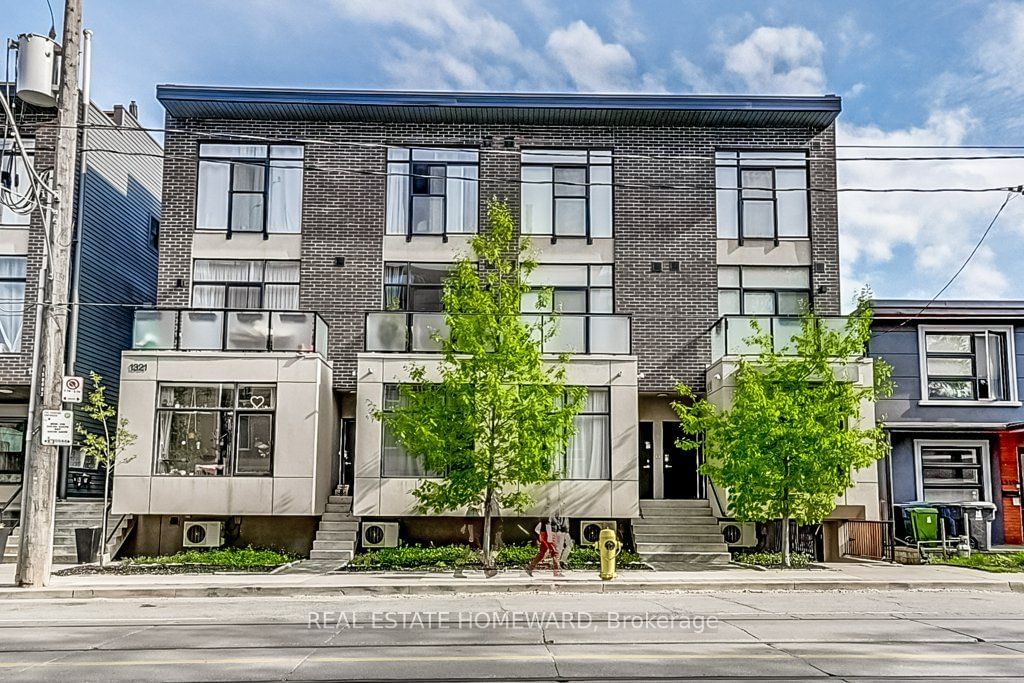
(15, 183)
(951, 472)
(215, 430)
(236, 284)
(414, 286)
(761, 195)
(250, 188)
(573, 289)
(396, 461)
(12, 302)
(967, 364)
(567, 193)
(588, 455)
(432, 191)
(12, 450)
(763, 290)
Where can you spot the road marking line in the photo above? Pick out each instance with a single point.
(609, 657)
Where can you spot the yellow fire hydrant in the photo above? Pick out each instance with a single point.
(609, 548)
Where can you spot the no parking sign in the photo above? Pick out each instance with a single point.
(72, 390)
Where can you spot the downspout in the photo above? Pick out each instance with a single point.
(76, 267)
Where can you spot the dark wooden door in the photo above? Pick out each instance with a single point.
(645, 460)
(346, 475)
(680, 476)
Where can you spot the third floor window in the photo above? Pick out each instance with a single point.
(761, 195)
(250, 188)
(238, 284)
(567, 193)
(432, 191)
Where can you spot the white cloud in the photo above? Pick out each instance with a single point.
(625, 26)
(1000, 50)
(778, 61)
(851, 37)
(593, 64)
(928, 235)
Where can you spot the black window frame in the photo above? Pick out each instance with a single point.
(554, 166)
(265, 163)
(411, 163)
(154, 233)
(17, 473)
(227, 415)
(23, 280)
(759, 165)
(979, 384)
(586, 289)
(957, 484)
(563, 458)
(408, 286)
(742, 291)
(261, 285)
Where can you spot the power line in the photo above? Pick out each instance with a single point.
(1010, 195)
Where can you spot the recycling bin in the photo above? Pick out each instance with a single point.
(979, 515)
(904, 525)
(924, 523)
(953, 516)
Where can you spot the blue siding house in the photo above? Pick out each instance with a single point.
(955, 418)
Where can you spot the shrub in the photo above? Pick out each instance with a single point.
(233, 558)
(462, 556)
(770, 559)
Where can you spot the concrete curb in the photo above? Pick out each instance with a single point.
(302, 590)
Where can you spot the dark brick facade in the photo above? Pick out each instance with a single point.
(16, 368)
(344, 204)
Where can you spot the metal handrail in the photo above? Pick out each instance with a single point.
(3, 508)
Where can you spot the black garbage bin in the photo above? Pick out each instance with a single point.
(952, 514)
(87, 544)
(5, 533)
(979, 515)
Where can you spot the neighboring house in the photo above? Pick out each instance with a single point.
(306, 237)
(955, 418)
(116, 269)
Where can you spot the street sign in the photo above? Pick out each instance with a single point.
(58, 427)
(72, 389)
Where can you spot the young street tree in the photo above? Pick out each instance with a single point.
(499, 416)
(790, 441)
(105, 448)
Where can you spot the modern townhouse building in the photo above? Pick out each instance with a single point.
(114, 267)
(306, 236)
(955, 418)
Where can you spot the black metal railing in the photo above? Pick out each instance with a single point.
(166, 329)
(422, 332)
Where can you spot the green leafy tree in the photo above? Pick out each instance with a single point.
(106, 448)
(499, 417)
(789, 443)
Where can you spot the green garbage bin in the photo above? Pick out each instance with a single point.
(925, 523)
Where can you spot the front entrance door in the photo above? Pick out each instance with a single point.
(346, 471)
(680, 477)
(646, 460)
(1020, 480)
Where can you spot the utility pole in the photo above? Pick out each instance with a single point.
(38, 499)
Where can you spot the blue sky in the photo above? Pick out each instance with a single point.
(910, 73)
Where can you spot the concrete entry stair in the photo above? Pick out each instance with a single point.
(71, 515)
(679, 534)
(335, 541)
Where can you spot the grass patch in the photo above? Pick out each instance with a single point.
(463, 557)
(1000, 563)
(228, 558)
(767, 559)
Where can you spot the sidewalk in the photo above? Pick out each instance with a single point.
(839, 576)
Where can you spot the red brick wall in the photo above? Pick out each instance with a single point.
(1009, 485)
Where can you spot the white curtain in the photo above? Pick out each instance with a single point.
(397, 210)
(212, 204)
(588, 455)
(12, 302)
(463, 193)
(285, 197)
(207, 270)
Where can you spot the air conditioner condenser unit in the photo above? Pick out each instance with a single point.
(203, 534)
(379, 534)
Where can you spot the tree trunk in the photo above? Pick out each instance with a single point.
(785, 541)
(103, 523)
(488, 558)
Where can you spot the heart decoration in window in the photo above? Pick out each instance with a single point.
(257, 401)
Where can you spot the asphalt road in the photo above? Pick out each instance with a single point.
(852, 636)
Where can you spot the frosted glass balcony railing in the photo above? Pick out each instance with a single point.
(237, 330)
(408, 332)
(733, 335)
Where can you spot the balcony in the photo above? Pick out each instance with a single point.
(221, 330)
(731, 335)
(407, 332)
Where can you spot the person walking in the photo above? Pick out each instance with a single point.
(549, 539)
